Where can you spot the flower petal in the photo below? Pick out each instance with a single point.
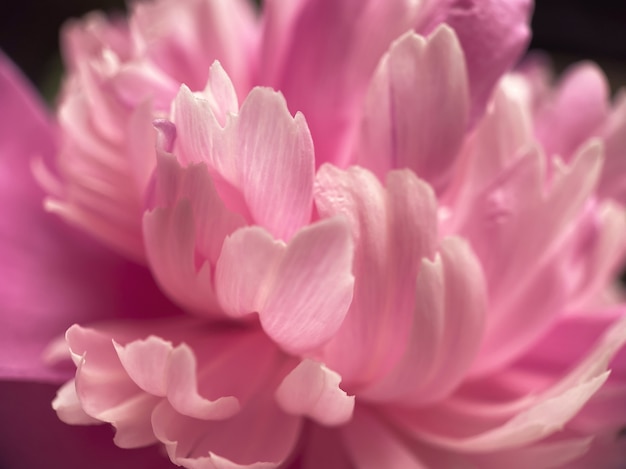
(418, 81)
(301, 290)
(313, 390)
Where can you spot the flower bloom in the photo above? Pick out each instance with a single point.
(334, 234)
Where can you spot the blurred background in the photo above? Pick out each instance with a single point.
(569, 30)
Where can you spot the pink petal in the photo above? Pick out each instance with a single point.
(421, 81)
(492, 33)
(448, 325)
(559, 125)
(48, 270)
(527, 290)
(513, 424)
(184, 38)
(262, 153)
(393, 229)
(328, 46)
(243, 439)
(313, 390)
(301, 290)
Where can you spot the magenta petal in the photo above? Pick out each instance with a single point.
(493, 35)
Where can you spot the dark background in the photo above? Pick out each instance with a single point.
(569, 29)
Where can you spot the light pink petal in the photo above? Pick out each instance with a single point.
(313, 390)
(513, 424)
(301, 290)
(329, 46)
(274, 154)
(529, 288)
(447, 329)
(184, 38)
(49, 280)
(260, 434)
(393, 229)
(106, 392)
(560, 125)
(261, 154)
(182, 390)
(501, 136)
(145, 362)
(68, 407)
(170, 244)
(416, 108)
(492, 33)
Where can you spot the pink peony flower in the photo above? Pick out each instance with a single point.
(333, 234)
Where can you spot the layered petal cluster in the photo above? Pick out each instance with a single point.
(343, 235)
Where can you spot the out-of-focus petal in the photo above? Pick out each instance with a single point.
(561, 125)
(184, 38)
(49, 279)
(527, 290)
(492, 33)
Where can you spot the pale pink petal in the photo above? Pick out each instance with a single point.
(560, 125)
(49, 279)
(513, 424)
(68, 407)
(170, 243)
(182, 390)
(416, 108)
(331, 47)
(145, 362)
(260, 433)
(447, 329)
(262, 153)
(393, 230)
(528, 289)
(274, 154)
(301, 290)
(184, 38)
(501, 136)
(313, 390)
